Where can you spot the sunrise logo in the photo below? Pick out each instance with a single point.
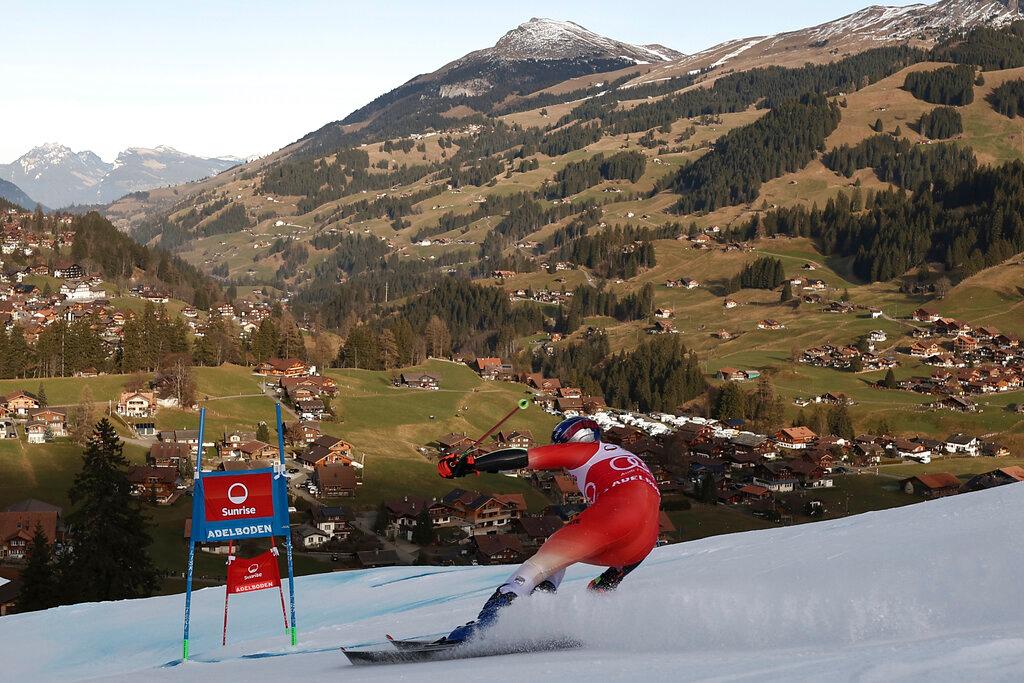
(238, 493)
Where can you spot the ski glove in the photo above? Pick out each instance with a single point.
(454, 466)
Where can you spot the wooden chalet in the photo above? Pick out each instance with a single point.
(333, 521)
(936, 485)
(498, 549)
(335, 480)
(419, 380)
(566, 490)
(283, 367)
(326, 450)
(18, 523)
(150, 482)
(794, 437)
(485, 513)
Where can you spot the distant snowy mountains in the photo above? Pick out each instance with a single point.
(57, 176)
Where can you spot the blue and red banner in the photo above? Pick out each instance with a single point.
(227, 506)
(235, 505)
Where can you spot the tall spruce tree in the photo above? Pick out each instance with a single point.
(39, 588)
(110, 536)
(423, 532)
(840, 423)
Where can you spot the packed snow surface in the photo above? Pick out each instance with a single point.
(929, 592)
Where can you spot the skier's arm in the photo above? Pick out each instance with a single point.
(553, 457)
(453, 466)
(562, 455)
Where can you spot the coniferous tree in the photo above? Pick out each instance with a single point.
(707, 492)
(764, 407)
(730, 402)
(388, 348)
(265, 341)
(39, 588)
(109, 555)
(423, 532)
(41, 396)
(383, 518)
(952, 85)
(19, 353)
(889, 382)
(263, 432)
(840, 423)
(941, 123)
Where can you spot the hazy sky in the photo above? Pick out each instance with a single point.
(226, 77)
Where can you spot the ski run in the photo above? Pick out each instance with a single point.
(928, 592)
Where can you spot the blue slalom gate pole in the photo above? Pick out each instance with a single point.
(192, 537)
(288, 538)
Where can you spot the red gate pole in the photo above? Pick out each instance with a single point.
(280, 586)
(227, 592)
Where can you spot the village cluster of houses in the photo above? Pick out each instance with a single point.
(40, 423)
(306, 392)
(247, 314)
(543, 296)
(968, 360)
(844, 357)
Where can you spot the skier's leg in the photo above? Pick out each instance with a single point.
(641, 505)
(586, 536)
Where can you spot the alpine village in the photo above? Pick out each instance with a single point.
(786, 273)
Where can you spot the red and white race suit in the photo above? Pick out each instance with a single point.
(619, 527)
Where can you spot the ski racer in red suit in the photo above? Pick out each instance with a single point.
(618, 529)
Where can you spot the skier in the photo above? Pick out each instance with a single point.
(618, 529)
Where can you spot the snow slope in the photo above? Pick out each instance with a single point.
(926, 592)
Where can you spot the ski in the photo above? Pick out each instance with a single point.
(416, 643)
(414, 651)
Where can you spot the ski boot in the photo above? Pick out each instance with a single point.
(611, 578)
(488, 615)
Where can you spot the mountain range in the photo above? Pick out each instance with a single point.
(14, 194)
(57, 176)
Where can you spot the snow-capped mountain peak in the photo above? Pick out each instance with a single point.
(883, 24)
(44, 155)
(553, 39)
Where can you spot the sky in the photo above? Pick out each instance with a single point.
(223, 77)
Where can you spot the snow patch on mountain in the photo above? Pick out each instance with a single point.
(925, 592)
(737, 52)
(882, 23)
